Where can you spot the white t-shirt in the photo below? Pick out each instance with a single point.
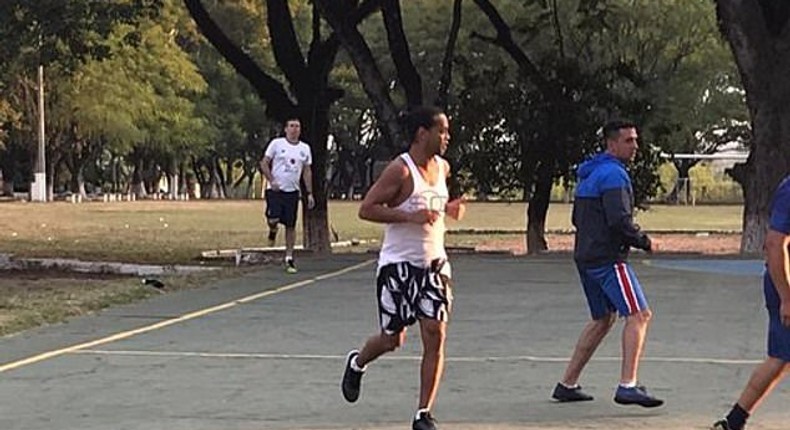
(288, 161)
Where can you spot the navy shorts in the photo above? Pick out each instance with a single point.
(281, 206)
(778, 334)
(612, 287)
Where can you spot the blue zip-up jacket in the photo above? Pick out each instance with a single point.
(603, 213)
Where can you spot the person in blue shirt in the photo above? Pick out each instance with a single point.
(776, 287)
(605, 232)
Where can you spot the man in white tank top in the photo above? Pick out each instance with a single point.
(413, 279)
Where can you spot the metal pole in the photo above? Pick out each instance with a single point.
(42, 154)
(39, 188)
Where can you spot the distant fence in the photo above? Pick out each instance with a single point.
(689, 193)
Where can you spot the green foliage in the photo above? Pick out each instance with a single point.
(673, 56)
(67, 32)
(661, 64)
(9, 117)
(141, 93)
(137, 75)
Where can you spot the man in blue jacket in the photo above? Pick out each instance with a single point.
(605, 231)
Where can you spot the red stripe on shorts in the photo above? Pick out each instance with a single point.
(625, 285)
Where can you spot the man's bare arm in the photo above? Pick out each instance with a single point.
(778, 260)
(455, 209)
(307, 175)
(266, 169)
(375, 207)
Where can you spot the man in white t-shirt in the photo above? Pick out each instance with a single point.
(286, 160)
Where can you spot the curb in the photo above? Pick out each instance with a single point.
(8, 262)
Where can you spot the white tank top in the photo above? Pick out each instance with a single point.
(418, 244)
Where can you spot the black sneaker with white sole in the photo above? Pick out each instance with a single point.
(352, 379)
(424, 421)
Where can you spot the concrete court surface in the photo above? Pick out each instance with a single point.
(274, 359)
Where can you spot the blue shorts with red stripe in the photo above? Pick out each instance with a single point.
(612, 287)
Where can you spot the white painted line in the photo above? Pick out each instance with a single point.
(459, 359)
(166, 323)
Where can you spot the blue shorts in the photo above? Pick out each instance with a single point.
(778, 334)
(282, 207)
(610, 288)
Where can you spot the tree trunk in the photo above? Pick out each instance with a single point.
(315, 222)
(443, 92)
(7, 169)
(137, 187)
(213, 190)
(77, 170)
(182, 178)
(758, 33)
(538, 208)
(53, 177)
(172, 185)
(78, 180)
(766, 166)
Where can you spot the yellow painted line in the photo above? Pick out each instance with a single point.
(166, 323)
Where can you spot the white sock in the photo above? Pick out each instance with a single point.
(631, 384)
(420, 412)
(570, 387)
(355, 367)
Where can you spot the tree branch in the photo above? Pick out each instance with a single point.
(399, 50)
(743, 24)
(284, 42)
(487, 39)
(442, 98)
(364, 10)
(504, 39)
(320, 59)
(268, 89)
(555, 14)
(369, 74)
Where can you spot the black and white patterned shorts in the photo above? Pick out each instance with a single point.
(407, 293)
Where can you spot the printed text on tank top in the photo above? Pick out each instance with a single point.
(429, 175)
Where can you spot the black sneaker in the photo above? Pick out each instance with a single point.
(564, 394)
(424, 421)
(636, 396)
(721, 425)
(352, 380)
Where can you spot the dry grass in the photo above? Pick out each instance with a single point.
(176, 232)
(30, 299)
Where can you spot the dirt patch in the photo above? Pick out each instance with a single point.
(706, 244)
